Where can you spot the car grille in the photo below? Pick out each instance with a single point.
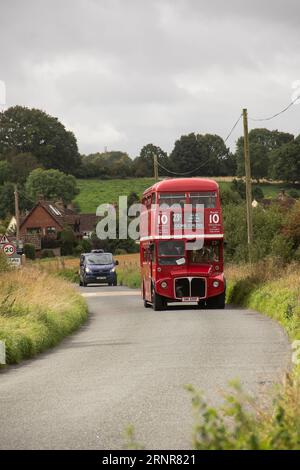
(190, 287)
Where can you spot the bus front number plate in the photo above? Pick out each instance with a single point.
(190, 299)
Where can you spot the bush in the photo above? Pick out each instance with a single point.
(36, 311)
(293, 193)
(257, 193)
(120, 251)
(4, 266)
(29, 250)
(47, 254)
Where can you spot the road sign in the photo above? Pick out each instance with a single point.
(9, 249)
(15, 261)
(4, 240)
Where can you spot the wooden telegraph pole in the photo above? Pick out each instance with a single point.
(17, 214)
(248, 184)
(155, 167)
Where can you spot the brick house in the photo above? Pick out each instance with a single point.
(46, 219)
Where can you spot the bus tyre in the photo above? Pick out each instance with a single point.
(217, 302)
(158, 302)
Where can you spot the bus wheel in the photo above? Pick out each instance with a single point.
(158, 302)
(201, 303)
(217, 302)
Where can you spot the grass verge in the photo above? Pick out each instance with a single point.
(36, 311)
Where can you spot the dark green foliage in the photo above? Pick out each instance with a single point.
(205, 155)
(68, 241)
(52, 185)
(286, 162)
(104, 165)
(3, 263)
(25, 130)
(261, 143)
(29, 251)
(294, 193)
(257, 193)
(143, 165)
(47, 253)
(239, 186)
(267, 224)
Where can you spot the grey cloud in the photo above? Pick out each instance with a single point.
(125, 73)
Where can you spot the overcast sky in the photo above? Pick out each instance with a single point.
(124, 73)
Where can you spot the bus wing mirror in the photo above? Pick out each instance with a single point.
(116, 262)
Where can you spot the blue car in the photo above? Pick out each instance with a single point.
(98, 268)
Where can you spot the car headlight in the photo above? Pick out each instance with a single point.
(88, 270)
(164, 284)
(216, 283)
(113, 269)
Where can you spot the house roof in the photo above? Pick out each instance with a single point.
(60, 214)
(88, 222)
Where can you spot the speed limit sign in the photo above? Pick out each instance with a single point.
(9, 249)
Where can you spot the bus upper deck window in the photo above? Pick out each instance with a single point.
(169, 199)
(207, 199)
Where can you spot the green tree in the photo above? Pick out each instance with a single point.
(261, 143)
(5, 172)
(200, 154)
(51, 184)
(21, 164)
(143, 164)
(7, 200)
(286, 162)
(24, 130)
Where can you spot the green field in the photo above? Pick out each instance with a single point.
(94, 192)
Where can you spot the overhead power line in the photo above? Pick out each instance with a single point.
(203, 163)
(277, 114)
(240, 117)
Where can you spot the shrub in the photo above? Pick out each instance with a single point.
(37, 311)
(120, 251)
(3, 263)
(47, 254)
(29, 250)
(257, 193)
(293, 193)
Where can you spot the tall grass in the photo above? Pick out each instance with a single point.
(36, 311)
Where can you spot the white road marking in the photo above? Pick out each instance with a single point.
(109, 294)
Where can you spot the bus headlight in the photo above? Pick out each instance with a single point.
(87, 270)
(164, 284)
(113, 269)
(216, 283)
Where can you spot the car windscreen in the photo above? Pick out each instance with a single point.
(99, 258)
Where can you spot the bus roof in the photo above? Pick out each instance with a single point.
(184, 184)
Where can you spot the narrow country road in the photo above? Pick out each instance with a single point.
(128, 365)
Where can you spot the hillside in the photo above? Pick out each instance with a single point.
(94, 192)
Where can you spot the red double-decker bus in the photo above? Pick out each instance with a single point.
(181, 244)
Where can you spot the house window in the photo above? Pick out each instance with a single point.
(34, 230)
(51, 230)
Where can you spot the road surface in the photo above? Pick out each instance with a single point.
(128, 365)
